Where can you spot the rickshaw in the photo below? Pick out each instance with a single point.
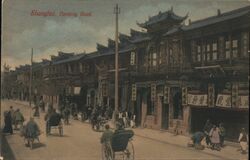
(120, 146)
(54, 122)
(29, 137)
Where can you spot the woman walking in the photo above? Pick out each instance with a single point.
(215, 138)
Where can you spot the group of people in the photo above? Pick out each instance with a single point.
(214, 137)
(12, 118)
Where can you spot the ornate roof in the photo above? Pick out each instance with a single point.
(218, 18)
(123, 38)
(111, 43)
(137, 36)
(160, 17)
(101, 48)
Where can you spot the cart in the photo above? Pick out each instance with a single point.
(121, 146)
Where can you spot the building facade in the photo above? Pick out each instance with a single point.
(174, 76)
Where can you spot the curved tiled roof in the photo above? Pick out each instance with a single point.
(168, 15)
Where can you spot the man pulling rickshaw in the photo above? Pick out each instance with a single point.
(118, 142)
(30, 132)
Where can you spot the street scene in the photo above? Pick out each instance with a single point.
(113, 80)
(80, 142)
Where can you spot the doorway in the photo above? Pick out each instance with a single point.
(138, 108)
(165, 115)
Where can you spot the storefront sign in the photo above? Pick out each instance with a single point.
(235, 92)
(153, 92)
(133, 95)
(166, 93)
(77, 90)
(211, 96)
(197, 99)
(243, 101)
(104, 89)
(223, 100)
(184, 96)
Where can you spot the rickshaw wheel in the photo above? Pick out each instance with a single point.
(129, 152)
(107, 152)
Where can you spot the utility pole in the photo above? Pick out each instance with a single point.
(30, 87)
(116, 12)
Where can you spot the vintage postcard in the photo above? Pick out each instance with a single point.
(125, 79)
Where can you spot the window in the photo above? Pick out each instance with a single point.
(198, 57)
(150, 105)
(208, 48)
(215, 55)
(208, 56)
(154, 59)
(170, 56)
(161, 54)
(198, 49)
(245, 44)
(132, 58)
(227, 49)
(208, 52)
(198, 53)
(235, 48)
(81, 67)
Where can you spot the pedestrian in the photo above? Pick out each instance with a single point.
(132, 121)
(42, 105)
(66, 114)
(7, 123)
(31, 130)
(207, 128)
(215, 138)
(243, 140)
(12, 111)
(222, 134)
(18, 118)
(196, 140)
(36, 113)
(50, 107)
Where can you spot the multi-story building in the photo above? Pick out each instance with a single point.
(174, 76)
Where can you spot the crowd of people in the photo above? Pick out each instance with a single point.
(214, 137)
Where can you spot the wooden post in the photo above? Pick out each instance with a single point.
(116, 12)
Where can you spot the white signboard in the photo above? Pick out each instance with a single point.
(77, 90)
(197, 99)
(243, 101)
(223, 100)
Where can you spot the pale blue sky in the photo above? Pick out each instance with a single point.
(48, 35)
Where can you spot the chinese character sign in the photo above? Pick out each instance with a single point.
(133, 95)
(166, 94)
(211, 96)
(184, 96)
(153, 92)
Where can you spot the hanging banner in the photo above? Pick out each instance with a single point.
(235, 92)
(197, 99)
(153, 91)
(77, 90)
(223, 100)
(104, 89)
(184, 96)
(243, 101)
(166, 93)
(211, 95)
